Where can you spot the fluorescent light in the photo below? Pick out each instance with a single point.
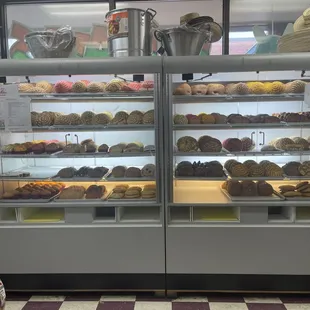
(75, 6)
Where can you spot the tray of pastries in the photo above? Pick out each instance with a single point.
(249, 190)
(36, 192)
(82, 174)
(124, 192)
(300, 191)
(76, 193)
(140, 173)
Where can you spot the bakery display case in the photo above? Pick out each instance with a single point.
(86, 169)
(237, 149)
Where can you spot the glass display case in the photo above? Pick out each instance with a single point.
(86, 172)
(237, 150)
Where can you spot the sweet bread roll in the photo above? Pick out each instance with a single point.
(216, 89)
(200, 89)
(183, 89)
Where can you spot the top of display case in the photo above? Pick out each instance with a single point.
(124, 65)
(236, 63)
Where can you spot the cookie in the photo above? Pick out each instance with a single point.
(306, 190)
(292, 194)
(116, 195)
(120, 188)
(287, 188)
(302, 188)
(300, 184)
(305, 194)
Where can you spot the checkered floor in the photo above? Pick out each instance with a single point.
(212, 302)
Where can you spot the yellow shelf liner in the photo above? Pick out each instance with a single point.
(46, 216)
(303, 213)
(215, 214)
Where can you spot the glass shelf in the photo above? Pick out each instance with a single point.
(236, 98)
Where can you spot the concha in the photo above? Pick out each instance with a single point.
(38, 90)
(256, 88)
(247, 144)
(301, 141)
(61, 120)
(87, 117)
(44, 119)
(135, 117)
(48, 87)
(102, 118)
(148, 117)
(242, 89)
(230, 89)
(296, 87)
(63, 87)
(79, 87)
(25, 88)
(120, 118)
(114, 86)
(193, 119)
(283, 143)
(207, 118)
(187, 144)
(180, 119)
(277, 88)
(74, 119)
(95, 87)
(216, 89)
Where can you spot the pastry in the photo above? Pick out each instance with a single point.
(256, 171)
(234, 188)
(296, 86)
(117, 195)
(63, 87)
(247, 144)
(118, 171)
(304, 168)
(199, 89)
(95, 87)
(249, 163)
(120, 118)
(74, 148)
(277, 87)
(98, 172)
(264, 188)
(89, 148)
(242, 89)
(292, 194)
(283, 143)
(133, 172)
(148, 117)
(301, 185)
(302, 141)
(83, 171)
(72, 192)
(187, 144)
(292, 168)
(249, 188)
(209, 144)
(232, 145)
(239, 170)
(230, 89)
(256, 88)
(148, 170)
(133, 192)
(180, 119)
(103, 148)
(287, 188)
(148, 193)
(102, 118)
(118, 148)
(183, 89)
(79, 87)
(193, 119)
(87, 117)
(73, 119)
(122, 188)
(147, 86)
(229, 164)
(206, 118)
(135, 117)
(95, 192)
(219, 118)
(67, 173)
(134, 147)
(268, 148)
(216, 89)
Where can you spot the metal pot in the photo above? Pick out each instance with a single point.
(130, 32)
(182, 41)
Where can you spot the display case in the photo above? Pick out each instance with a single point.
(237, 149)
(81, 186)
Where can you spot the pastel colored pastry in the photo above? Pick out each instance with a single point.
(183, 89)
(216, 89)
(187, 144)
(256, 88)
(63, 87)
(199, 89)
(193, 119)
(180, 119)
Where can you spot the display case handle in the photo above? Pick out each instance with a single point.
(66, 138)
(77, 138)
(252, 137)
(261, 132)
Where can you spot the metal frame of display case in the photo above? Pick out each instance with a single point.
(102, 255)
(222, 255)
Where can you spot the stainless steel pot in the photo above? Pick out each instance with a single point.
(130, 32)
(183, 41)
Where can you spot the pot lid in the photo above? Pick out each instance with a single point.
(188, 17)
(203, 25)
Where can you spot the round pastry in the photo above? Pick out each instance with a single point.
(247, 144)
(74, 119)
(219, 118)
(256, 171)
(249, 163)
(234, 188)
(249, 188)
(133, 172)
(87, 117)
(232, 145)
(256, 88)
(268, 148)
(103, 148)
(304, 168)
(216, 89)
(67, 173)
(135, 86)
(25, 88)
(238, 119)
(292, 168)
(206, 118)
(147, 86)
(61, 120)
(102, 118)
(277, 88)
(183, 89)
(134, 147)
(287, 188)
(89, 148)
(63, 87)
(229, 164)
(120, 118)
(200, 169)
(135, 117)
(46, 86)
(180, 119)
(73, 148)
(148, 117)
(184, 169)
(209, 144)
(83, 171)
(98, 172)
(115, 85)
(301, 141)
(271, 119)
(148, 170)
(54, 147)
(38, 148)
(116, 148)
(72, 192)
(193, 119)
(187, 144)
(200, 89)
(283, 143)
(242, 89)
(79, 87)
(239, 170)
(296, 87)
(119, 171)
(38, 90)
(230, 89)
(264, 188)
(272, 170)
(95, 192)
(95, 87)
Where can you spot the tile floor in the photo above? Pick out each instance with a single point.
(115, 302)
